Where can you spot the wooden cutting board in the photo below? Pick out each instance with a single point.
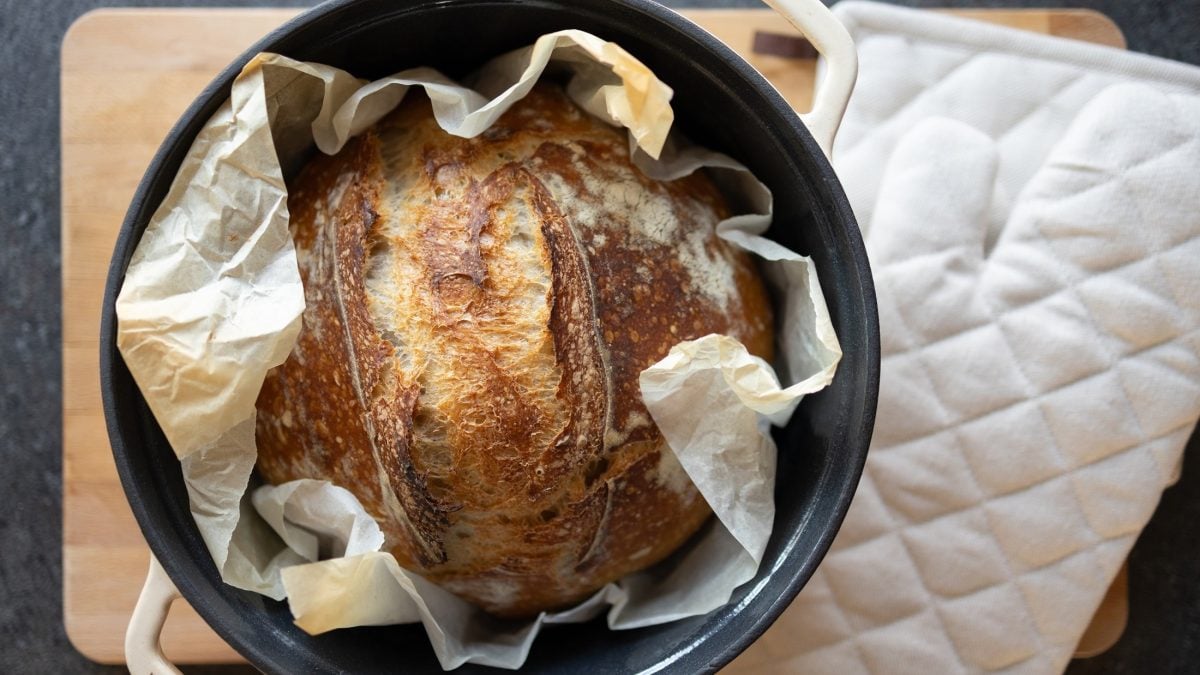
(127, 74)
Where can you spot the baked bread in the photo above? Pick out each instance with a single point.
(478, 313)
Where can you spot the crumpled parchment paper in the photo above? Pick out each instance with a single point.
(212, 299)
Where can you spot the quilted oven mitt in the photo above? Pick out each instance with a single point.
(1036, 393)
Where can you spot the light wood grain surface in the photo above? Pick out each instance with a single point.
(127, 75)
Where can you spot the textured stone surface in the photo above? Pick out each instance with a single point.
(1164, 633)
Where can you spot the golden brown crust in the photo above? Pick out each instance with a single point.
(478, 313)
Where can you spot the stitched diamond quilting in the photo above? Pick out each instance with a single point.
(973, 373)
(874, 583)
(843, 658)
(1108, 496)
(823, 622)
(1167, 457)
(1008, 449)
(1178, 267)
(924, 479)
(1161, 386)
(1130, 305)
(1039, 525)
(939, 300)
(903, 381)
(1091, 419)
(897, 340)
(983, 631)
(1062, 595)
(1021, 272)
(869, 517)
(890, 648)
(1061, 332)
(1084, 244)
(956, 554)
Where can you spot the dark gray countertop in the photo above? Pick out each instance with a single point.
(1164, 631)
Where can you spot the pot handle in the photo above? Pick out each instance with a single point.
(829, 36)
(143, 650)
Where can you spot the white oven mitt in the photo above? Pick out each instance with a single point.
(1040, 323)
(1034, 402)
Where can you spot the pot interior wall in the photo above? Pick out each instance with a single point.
(720, 102)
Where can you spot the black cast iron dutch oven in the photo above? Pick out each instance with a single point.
(721, 102)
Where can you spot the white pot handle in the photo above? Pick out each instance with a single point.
(829, 36)
(143, 650)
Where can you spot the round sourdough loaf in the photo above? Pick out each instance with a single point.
(478, 313)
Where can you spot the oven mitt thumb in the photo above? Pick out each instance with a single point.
(1035, 396)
